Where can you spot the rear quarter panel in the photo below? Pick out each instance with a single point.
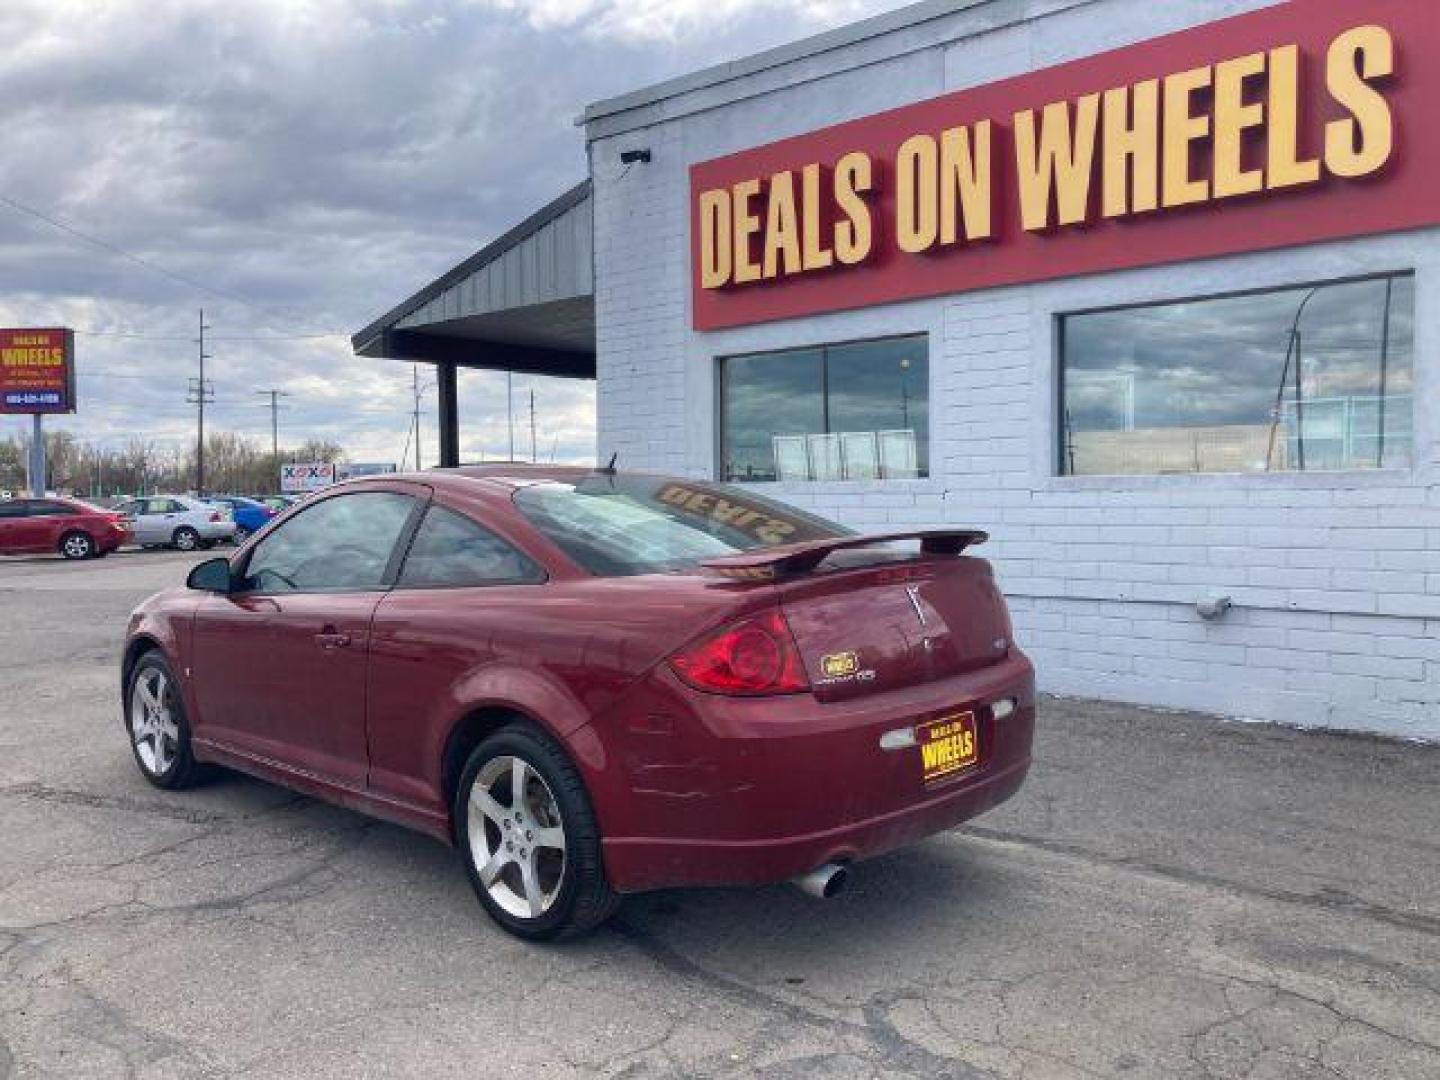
(561, 654)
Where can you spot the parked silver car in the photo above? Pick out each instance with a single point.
(177, 521)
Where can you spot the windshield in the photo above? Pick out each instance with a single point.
(615, 526)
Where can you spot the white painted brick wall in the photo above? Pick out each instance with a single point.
(1336, 577)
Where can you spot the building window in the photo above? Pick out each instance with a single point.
(858, 411)
(1306, 378)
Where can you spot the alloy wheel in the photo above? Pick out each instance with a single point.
(77, 546)
(186, 539)
(517, 837)
(153, 727)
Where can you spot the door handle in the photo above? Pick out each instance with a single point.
(330, 638)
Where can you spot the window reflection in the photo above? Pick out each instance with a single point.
(1289, 380)
(855, 411)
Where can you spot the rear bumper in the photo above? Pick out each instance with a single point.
(750, 792)
(637, 865)
(216, 530)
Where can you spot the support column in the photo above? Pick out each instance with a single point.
(37, 458)
(445, 378)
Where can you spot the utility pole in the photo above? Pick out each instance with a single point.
(200, 393)
(274, 396)
(532, 427)
(415, 382)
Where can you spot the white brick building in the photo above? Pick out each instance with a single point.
(1104, 544)
(1335, 576)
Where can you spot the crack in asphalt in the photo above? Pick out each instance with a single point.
(67, 797)
(878, 1030)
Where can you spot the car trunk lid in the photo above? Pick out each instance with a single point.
(868, 618)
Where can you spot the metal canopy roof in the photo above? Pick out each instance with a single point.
(525, 302)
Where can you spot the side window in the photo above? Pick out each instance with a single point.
(342, 544)
(165, 506)
(452, 551)
(12, 508)
(49, 509)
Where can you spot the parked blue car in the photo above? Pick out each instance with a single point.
(250, 515)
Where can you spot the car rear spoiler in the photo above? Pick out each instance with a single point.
(786, 560)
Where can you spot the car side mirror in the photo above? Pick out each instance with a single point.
(212, 575)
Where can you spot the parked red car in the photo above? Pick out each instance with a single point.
(593, 683)
(70, 527)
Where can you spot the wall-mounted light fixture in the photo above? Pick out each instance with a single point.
(630, 157)
(1211, 608)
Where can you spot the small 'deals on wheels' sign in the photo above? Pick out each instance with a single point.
(37, 371)
(948, 747)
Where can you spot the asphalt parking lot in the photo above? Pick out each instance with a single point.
(1169, 897)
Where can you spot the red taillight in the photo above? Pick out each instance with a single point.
(755, 656)
(215, 516)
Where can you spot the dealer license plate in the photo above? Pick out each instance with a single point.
(948, 746)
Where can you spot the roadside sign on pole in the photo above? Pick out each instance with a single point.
(37, 371)
(302, 477)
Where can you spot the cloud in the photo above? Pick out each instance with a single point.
(321, 159)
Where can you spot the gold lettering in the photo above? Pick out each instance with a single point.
(816, 255)
(1286, 168)
(1233, 118)
(1132, 149)
(1360, 145)
(782, 228)
(746, 223)
(1183, 128)
(774, 531)
(726, 512)
(853, 235)
(714, 238)
(1055, 165)
(966, 176)
(916, 183)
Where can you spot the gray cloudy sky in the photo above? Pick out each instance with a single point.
(320, 159)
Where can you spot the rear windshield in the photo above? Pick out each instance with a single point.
(615, 526)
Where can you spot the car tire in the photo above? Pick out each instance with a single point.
(241, 535)
(523, 884)
(158, 728)
(185, 539)
(77, 545)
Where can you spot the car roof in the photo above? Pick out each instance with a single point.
(492, 480)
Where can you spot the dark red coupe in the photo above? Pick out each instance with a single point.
(594, 683)
(67, 527)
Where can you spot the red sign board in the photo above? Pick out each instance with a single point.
(1308, 121)
(37, 371)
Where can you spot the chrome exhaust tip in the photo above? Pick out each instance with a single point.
(824, 882)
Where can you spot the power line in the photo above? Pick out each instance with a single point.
(213, 337)
(138, 260)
